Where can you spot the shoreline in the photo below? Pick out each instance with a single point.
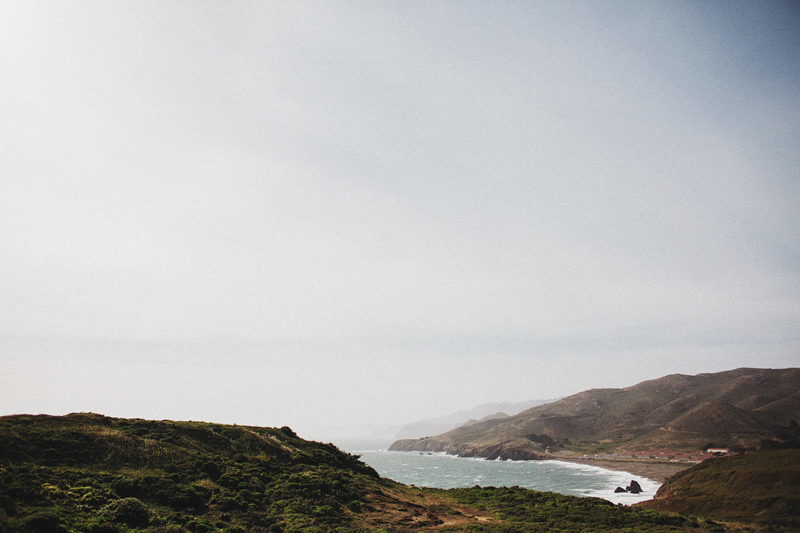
(648, 469)
(654, 470)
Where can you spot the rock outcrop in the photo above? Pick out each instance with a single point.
(634, 487)
(425, 444)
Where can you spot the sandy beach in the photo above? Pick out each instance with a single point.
(657, 471)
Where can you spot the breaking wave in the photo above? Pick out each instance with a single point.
(439, 470)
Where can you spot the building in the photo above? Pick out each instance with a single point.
(718, 450)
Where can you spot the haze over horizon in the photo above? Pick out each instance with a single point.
(317, 214)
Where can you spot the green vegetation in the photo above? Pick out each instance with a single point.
(550, 512)
(93, 474)
(96, 474)
(761, 487)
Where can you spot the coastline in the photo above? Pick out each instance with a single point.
(656, 471)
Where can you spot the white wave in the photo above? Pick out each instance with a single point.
(448, 471)
(619, 478)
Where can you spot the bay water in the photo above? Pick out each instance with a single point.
(439, 470)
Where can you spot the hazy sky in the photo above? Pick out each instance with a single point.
(313, 213)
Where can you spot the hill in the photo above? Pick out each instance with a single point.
(94, 474)
(381, 436)
(737, 408)
(434, 426)
(761, 487)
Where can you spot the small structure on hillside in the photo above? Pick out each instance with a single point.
(721, 451)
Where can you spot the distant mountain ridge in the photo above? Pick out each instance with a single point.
(435, 426)
(739, 407)
(356, 437)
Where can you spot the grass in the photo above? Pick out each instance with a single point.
(761, 487)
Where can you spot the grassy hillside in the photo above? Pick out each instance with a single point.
(94, 474)
(84, 471)
(736, 408)
(761, 487)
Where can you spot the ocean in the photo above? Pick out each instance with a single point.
(439, 470)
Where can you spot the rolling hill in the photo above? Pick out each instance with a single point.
(761, 487)
(738, 408)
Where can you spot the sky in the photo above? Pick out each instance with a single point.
(329, 214)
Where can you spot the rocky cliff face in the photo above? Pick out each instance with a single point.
(515, 450)
(425, 444)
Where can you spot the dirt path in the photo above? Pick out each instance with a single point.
(406, 509)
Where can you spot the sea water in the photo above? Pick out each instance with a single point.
(439, 470)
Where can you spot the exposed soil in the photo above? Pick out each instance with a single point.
(409, 510)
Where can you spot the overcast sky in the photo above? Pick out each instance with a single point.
(320, 213)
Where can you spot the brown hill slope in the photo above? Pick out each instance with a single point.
(717, 417)
(737, 408)
(755, 487)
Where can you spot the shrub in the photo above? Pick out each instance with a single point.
(104, 528)
(43, 522)
(200, 526)
(129, 511)
(212, 470)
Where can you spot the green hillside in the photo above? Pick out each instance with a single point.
(755, 487)
(83, 471)
(94, 474)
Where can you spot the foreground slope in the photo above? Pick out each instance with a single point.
(735, 408)
(761, 487)
(95, 474)
(84, 471)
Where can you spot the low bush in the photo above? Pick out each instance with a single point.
(129, 511)
(43, 522)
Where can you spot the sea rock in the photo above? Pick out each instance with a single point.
(634, 487)
(619, 489)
